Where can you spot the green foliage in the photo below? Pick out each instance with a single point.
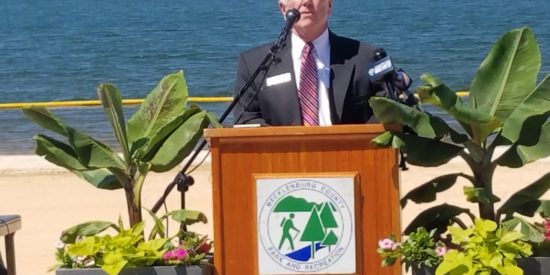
(83, 246)
(86, 229)
(419, 249)
(157, 137)
(484, 248)
(506, 108)
(113, 253)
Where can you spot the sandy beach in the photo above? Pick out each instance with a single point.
(50, 199)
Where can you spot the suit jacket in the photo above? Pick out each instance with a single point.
(349, 91)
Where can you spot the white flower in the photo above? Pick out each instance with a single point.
(441, 250)
(60, 245)
(387, 244)
(90, 263)
(79, 260)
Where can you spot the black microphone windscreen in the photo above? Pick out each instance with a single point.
(292, 15)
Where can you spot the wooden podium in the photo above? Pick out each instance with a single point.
(239, 155)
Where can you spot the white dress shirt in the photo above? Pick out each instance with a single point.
(322, 58)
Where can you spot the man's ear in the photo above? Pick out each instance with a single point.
(282, 7)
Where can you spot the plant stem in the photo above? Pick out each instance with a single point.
(134, 211)
(484, 177)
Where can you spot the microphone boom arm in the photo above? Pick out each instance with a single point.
(182, 180)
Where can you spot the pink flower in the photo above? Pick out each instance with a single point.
(547, 228)
(167, 255)
(441, 251)
(387, 244)
(179, 254)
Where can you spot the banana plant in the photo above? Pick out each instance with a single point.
(157, 137)
(506, 108)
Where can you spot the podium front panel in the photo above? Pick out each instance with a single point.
(240, 155)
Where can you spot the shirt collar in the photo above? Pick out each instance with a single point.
(321, 44)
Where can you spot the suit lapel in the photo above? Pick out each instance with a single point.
(288, 93)
(340, 75)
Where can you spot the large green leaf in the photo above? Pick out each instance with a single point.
(114, 262)
(544, 208)
(161, 105)
(437, 217)
(478, 123)
(427, 192)
(423, 124)
(100, 178)
(58, 153)
(427, 152)
(112, 106)
(508, 74)
(188, 217)
(153, 145)
(94, 154)
(180, 143)
(86, 229)
(213, 120)
(529, 231)
(384, 139)
(527, 200)
(536, 145)
(46, 120)
(536, 104)
(90, 152)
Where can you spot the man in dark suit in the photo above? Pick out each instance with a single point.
(341, 81)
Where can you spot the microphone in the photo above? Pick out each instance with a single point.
(383, 70)
(291, 17)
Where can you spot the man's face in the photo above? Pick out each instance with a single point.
(314, 15)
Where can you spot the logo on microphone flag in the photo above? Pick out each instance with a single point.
(306, 225)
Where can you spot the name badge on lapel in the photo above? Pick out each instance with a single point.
(278, 79)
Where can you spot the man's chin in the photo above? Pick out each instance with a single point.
(305, 25)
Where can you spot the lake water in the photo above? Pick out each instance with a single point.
(60, 50)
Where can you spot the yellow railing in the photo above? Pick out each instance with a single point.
(136, 101)
(83, 103)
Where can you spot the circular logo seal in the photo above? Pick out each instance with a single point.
(305, 226)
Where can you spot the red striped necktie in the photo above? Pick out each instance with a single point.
(308, 92)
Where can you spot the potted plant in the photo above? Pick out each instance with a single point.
(506, 109)
(84, 251)
(483, 248)
(157, 137)
(418, 250)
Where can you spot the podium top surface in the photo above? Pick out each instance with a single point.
(273, 131)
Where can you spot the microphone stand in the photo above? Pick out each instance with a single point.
(182, 179)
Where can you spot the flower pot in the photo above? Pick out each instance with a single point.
(535, 265)
(152, 270)
(423, 270)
